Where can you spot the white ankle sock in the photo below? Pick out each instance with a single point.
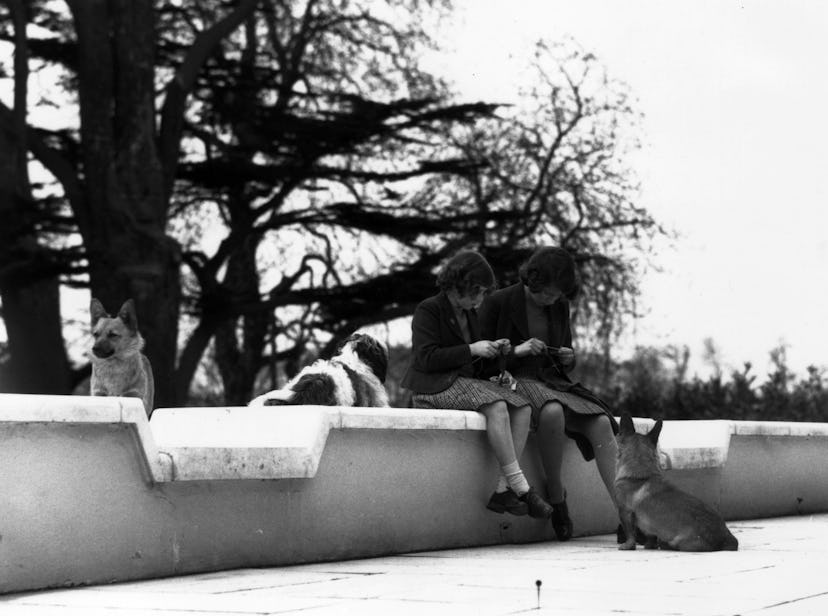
(514, 477)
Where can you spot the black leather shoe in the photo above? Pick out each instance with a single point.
(561, 521)
(538, 508)
(507, 502)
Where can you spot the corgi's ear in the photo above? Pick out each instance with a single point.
(656, 430)
(127, 315)
(627, 426)
(96, 311)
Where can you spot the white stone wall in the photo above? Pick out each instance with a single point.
(92, 492)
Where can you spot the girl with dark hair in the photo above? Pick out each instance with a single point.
(534, 316)
(447, 372)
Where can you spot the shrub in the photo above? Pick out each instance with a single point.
(645, 386)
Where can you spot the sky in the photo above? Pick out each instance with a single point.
(735, 146)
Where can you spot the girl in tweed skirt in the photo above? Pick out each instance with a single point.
(534, 316)
(446, 372)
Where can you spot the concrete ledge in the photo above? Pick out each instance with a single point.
(690, 445)
(276, 442)
(288, 442)
(95, 493)
(29, 409)
(778, 428)
(241, 443)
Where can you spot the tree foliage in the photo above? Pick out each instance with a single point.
(561, 160)
(302, 125)
(274, 174)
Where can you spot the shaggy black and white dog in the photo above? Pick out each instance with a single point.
(352, 377)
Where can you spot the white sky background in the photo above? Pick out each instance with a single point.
(735, 98)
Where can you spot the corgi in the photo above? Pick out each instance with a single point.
(118, 366)
(668, 517)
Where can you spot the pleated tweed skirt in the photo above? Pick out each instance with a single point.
(467, 394)
(539, 394)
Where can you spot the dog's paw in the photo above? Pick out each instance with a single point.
(629, 545)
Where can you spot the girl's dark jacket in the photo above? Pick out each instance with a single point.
(503, 315)
(439, 353)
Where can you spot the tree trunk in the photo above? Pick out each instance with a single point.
(37, 357)
(123, 218)
(239, 360)
(30, 294)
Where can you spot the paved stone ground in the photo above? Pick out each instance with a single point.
(780, 569)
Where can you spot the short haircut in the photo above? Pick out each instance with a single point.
(465, 271)
(550, 266)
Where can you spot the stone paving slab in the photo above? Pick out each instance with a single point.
(779, 570)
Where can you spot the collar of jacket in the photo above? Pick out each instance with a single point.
(450, 315)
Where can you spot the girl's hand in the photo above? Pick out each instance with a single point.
(484, 348)
(504, 346)
(565, 356)
(533, 346)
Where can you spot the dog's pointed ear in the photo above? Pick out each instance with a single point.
(627, 426)
(127, 315)
(96, 311)
(655, 431)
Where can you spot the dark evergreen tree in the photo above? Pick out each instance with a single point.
(282, 172)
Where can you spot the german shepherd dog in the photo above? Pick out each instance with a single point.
(352, 377)
(118, 366)
(668, 517)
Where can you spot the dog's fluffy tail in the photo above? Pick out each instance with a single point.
(310, 388)
(314, 389)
